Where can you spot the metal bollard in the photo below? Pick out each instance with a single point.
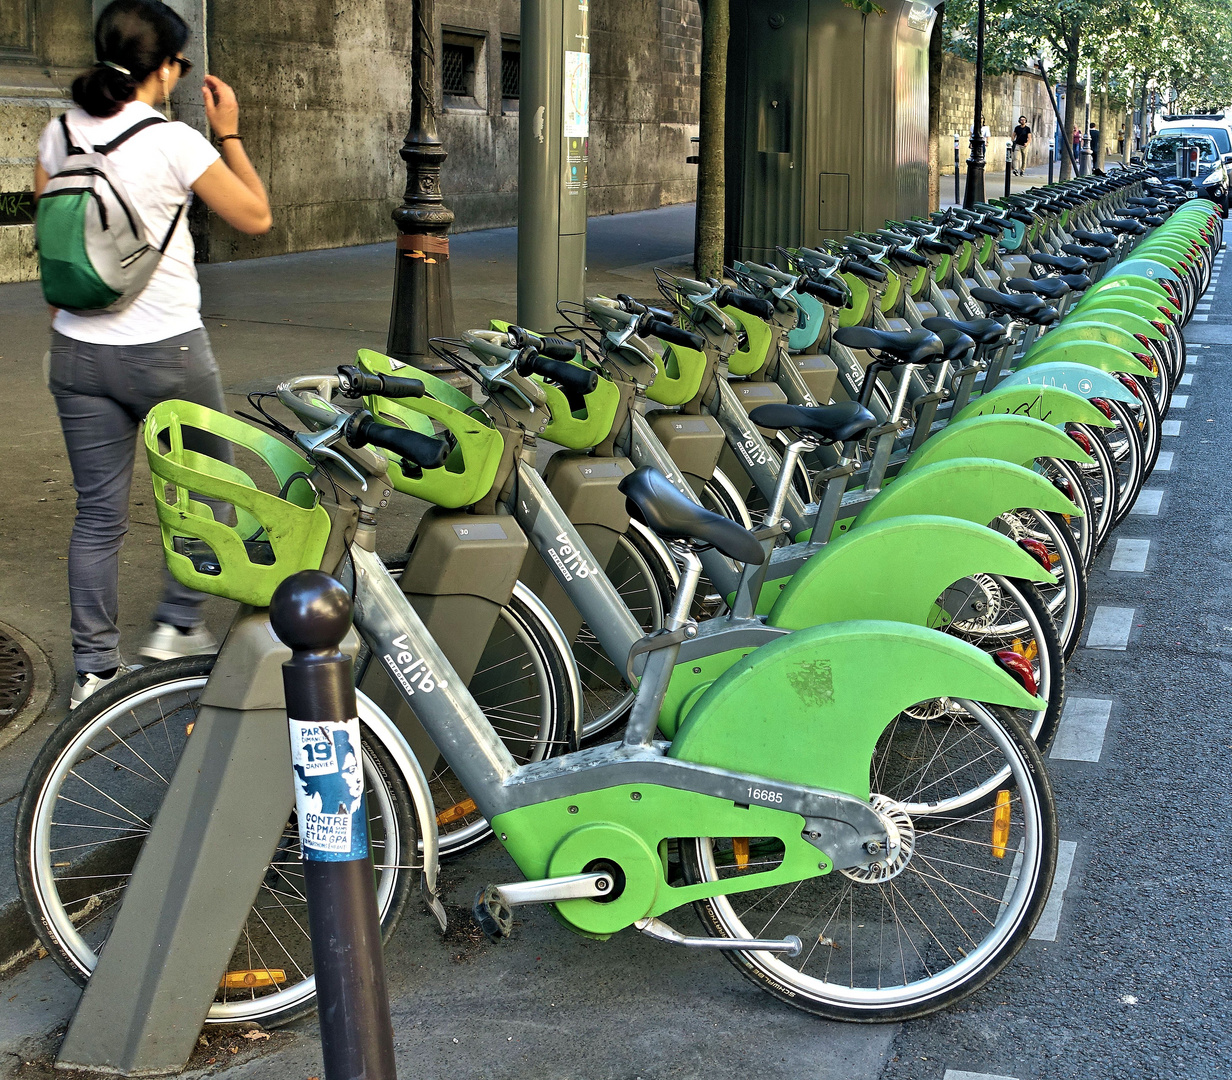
(1051, 162)
(957, 192)
(1009, 166)
(311, 613)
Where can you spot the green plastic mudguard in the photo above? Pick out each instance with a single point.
(974, 489)
(810, 707)
(1052, 404)
(1138, 301)
(1151, 269)
(896, 569)
(1103, 327)
(1094, 354)
(1020, 439)
(1087, 382)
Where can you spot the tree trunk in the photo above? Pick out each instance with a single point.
(711, 181)
(1142, 123)
(1071, 102)
(1103, 120)
(936, 63)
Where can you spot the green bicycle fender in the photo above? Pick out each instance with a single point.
(1019, 439)
(972, 489)
(1052, 404)
(1150, 292)
(813, 314)
(1129, 321)
(1135, 301)
(1086, 382)
(1118, 276)
(895, 569)
(1170, 254)
(1094, 354)
(1102, 332)
(811, 706)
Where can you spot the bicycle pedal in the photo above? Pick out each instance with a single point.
(493, 915)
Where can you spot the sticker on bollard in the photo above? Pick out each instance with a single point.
(329, 790)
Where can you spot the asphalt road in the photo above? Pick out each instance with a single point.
(1135, 984)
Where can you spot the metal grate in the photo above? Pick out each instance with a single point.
(16, 678)
(511, 74)
(457, 63)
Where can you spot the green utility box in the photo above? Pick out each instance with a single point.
(827, 121)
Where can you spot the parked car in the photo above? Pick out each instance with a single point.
(1216, 125)
(1208, 174)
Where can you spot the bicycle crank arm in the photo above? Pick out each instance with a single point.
(494, 904)
(660, 931)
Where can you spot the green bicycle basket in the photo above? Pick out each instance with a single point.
(678, 375)
(275, 535)
(756, 351)
(470, 470)
(585, 428)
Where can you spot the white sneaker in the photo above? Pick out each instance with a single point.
(166, 642)
(87, 684)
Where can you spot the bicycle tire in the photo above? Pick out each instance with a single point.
(61, 919)
(1011, 919)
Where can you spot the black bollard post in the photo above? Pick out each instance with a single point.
(1051, 161)
(957, 192)
(311, 613)
(1009, 165)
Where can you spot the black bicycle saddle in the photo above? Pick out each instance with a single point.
(833, 423)
(981, 331)
(655, 501)
(901, 346)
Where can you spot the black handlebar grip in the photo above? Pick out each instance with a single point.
(746, 302)
(677, 335)
(421, 450)
(574, 380)
(356, 383)
(825, 291)
(555, 348)
(938, 247)
(1022, 216)
(909, 256)
(958, 234)
(864, 270)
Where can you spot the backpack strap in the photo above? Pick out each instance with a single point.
(124, 136)
(174, 222)
(73, 148)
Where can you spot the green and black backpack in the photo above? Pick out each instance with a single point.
(93, 253)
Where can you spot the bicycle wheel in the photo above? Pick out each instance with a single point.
(86, 809)
(915, 934)
(1124, 443)
(1100, 480)
(995, 613)
(1066, 600)
(524, 687)
(719, 495)
(642, 570)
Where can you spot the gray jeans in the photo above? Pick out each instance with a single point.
(102, 393)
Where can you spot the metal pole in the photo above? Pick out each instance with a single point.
(1009, 165)
(957, 172)
(553, 158)
(1065, 140)
(423, 294)
(1051, 160)
(311, 613)
(974, 191)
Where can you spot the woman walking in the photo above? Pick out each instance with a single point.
(110, 367)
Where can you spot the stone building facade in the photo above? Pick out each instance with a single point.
(1006, 98)
(325, 94)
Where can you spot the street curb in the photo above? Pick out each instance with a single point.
(40, 693)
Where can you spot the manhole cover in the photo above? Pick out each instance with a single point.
(16, 678)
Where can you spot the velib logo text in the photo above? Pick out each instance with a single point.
(750, 449)
(569, 560)
(411, 671)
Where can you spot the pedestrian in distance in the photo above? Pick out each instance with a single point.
(1022, 139)
(1077, 142)
(111, 362)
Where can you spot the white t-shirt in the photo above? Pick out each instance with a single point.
(158, 167)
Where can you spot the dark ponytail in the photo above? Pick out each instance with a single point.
(131, 39)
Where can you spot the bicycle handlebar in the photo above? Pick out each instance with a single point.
(546, 345)
(636, 307)
(355, 383)
(908, 256)
(421, 450)
(864, 270)
(826, 291)
(574, 380)
(677, 335)
(746, 302)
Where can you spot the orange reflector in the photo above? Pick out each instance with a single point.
(740, 849)
(456, 812)
(252, 979)
(1001, 824)
(189, 726)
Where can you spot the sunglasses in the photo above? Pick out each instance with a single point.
(184, 63)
